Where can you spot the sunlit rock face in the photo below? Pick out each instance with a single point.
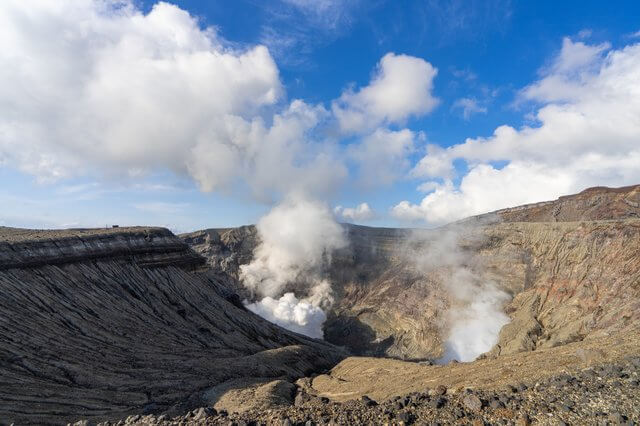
(518, 279)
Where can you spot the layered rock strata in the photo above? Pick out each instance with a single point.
(571, 268)
(100, 324)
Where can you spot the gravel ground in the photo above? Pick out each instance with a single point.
(607, 394)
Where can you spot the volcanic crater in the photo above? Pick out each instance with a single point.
(142, 325)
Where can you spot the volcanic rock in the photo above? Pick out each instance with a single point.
(472, 402)
(571, 267)
(105, 323)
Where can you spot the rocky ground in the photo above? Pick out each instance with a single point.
(607, 394)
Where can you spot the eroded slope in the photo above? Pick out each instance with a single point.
(571, 268)
(99, 324)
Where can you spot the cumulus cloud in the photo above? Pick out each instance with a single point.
(101, 85)
(586, 134)
(101, 80)
(360, 213)
(281, 158)
(566, 77)
(484, 189)
(469, 106)
(401, 87)
(382, 156)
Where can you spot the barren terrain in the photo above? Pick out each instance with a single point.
(571, 268)
(138, 326)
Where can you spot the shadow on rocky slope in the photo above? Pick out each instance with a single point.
(99, 324)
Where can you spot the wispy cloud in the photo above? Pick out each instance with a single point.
(328, 14)
(75, 189)
(295, 27)
(95, 190)
(469, 106)
(634, 35)
(449, 20)
(464, 74)
(585, 33)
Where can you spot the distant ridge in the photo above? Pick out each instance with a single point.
(596, 203)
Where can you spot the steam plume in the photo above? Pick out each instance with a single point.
(291, 313)
(297, 239)
(474, 315)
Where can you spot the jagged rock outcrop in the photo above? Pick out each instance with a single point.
(100, 324)
(224, 249)
(571, 267)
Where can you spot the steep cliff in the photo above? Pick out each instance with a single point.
(571, 268)
(99, 324)
(579, 280)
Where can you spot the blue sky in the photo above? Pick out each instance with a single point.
(499, 63)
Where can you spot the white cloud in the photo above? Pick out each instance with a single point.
(469, 106)
(585, 33)
(464, 74)
(361, 213)
(293, 28)
(401, 87)
(100, 87)
(78, 188)
(282, 158)
(329, 14)
(635, 35)
(485, 189)
(588, 134)
(428, 186)
(564, 80)
(382, 156)
(435, 164)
